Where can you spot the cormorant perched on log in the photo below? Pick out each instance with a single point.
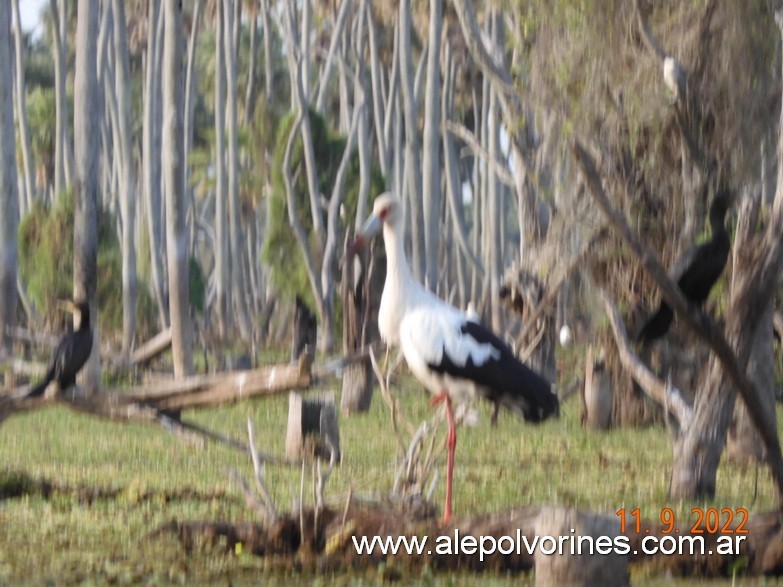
(696, 271)
(71, 354)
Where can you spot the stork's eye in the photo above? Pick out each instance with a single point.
(383, 213)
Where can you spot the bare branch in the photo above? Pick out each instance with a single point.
(252, 501)
(695, 318)
(498, 167)
(668, 396)
(258, 467)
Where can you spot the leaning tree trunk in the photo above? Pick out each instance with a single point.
(176, 208)
(744, 443)
(9, 197)
(86, 128)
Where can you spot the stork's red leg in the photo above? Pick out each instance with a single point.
(451, 444)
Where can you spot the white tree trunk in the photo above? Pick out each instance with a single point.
(412, 151)
(190, 108)
(176, 228)
(127, 177)
(86, 126)
(21, 106)
(222, 259)
(239, 303)
(9, 197)
(250, 87)
(151, 161)
(60, 132)
(431, 164)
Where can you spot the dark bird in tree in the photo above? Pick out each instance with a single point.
(696, 271)
(71, 354)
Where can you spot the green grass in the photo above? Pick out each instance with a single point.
(70, 537)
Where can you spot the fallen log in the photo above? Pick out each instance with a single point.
(330, 544)
(152, 348)
(161, 402)
(219, 388)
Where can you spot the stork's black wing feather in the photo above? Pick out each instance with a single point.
(501, 377)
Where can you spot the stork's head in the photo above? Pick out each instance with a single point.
(386, 210)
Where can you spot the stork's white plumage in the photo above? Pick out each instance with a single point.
(454, 356)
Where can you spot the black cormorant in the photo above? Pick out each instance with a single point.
(696, 271)
(71, 354)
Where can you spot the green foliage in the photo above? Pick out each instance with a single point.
(46, 259)
(281, 252)
(197, 285)
(115, 485)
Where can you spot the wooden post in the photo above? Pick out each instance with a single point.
(581, 561)
(597, 395)
(312, 426)
(305, 330)
(360, 319)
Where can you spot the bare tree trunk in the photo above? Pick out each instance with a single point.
(326, 70)
(128, 177)
(239, 304)
(21, 106)
(250, 88)
(743, 443)
(151, 160)
(190, 109)
(269, 73)
(176, 209)
(307, 12)
(491, 226)
(412, 153)
(60, 97)
(431, 165)
(86, 127)
(383, 106)
(222, 258)
(9, 196)
(300, 99)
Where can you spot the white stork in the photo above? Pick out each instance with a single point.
(454, 356)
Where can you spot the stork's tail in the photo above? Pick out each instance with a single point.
(656, 326)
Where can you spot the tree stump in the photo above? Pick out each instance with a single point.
(578, 570)
(305, 330)
(359, 326)
(312, 427)
(596, 395)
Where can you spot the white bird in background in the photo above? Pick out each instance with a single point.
(455, 357)
(565, 335)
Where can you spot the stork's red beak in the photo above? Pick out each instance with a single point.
(370, 228)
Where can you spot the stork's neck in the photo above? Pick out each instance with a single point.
(397, 268)
(401, 291)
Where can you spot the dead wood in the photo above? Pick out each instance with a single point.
(665, 394)
(696, 319)
(329, 544)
